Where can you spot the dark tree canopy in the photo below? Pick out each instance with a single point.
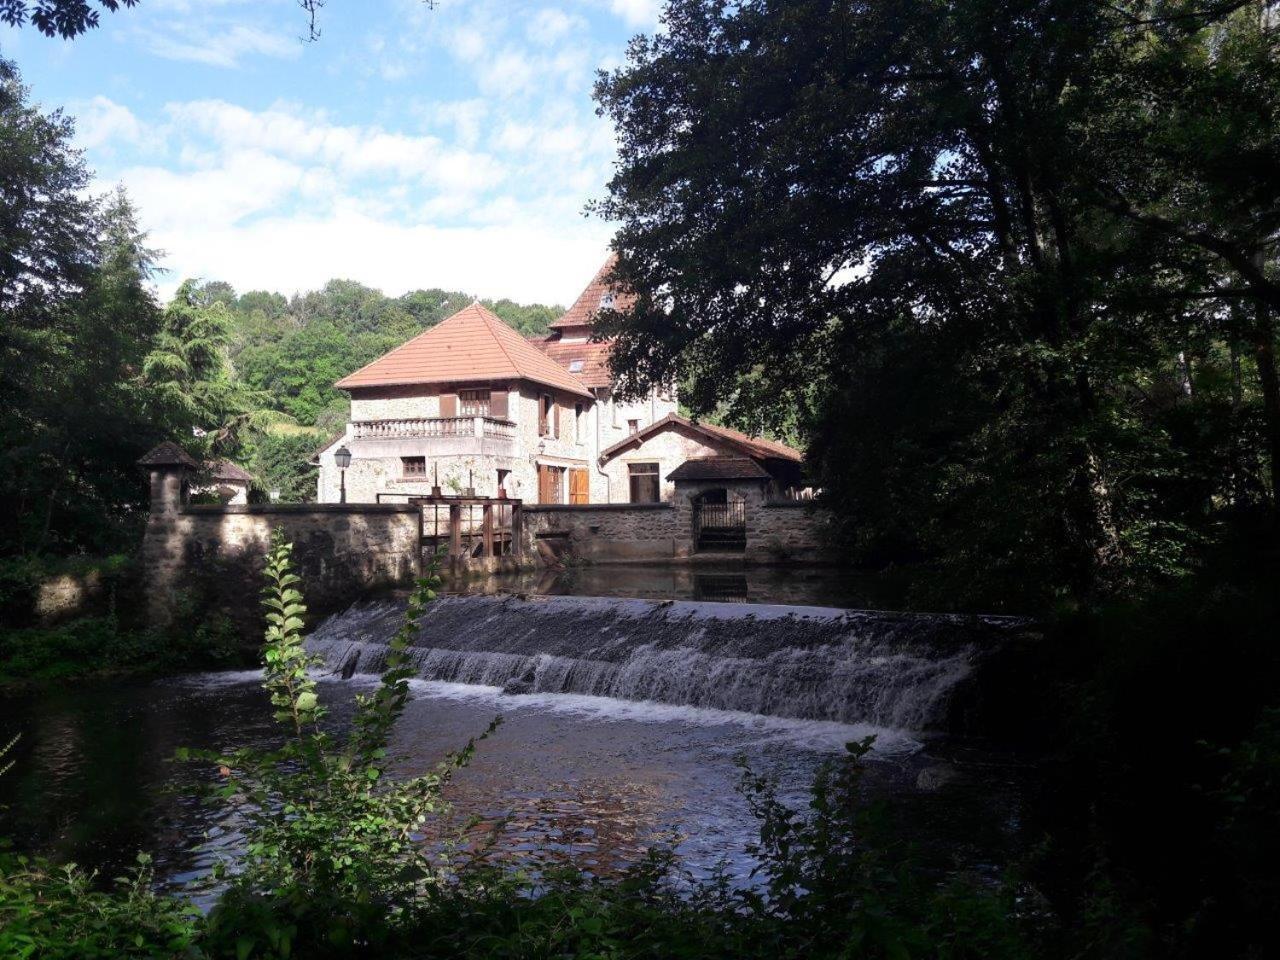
(1061, 217)
(59, 18)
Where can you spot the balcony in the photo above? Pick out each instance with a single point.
(421, 428)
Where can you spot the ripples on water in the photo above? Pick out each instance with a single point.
(594, 777)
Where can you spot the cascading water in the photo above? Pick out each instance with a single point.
(811, 663)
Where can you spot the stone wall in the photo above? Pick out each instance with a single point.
(602, 532)
(210, 557)
(787, 532)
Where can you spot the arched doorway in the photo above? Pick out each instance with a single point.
(719, 522)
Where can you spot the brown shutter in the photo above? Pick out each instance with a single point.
(498, 404)
(448, 404)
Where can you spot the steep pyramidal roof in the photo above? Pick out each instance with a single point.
(473, 345)
(592, 300)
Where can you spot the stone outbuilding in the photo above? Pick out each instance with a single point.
(223, 481)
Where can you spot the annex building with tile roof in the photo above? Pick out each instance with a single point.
(471, 405)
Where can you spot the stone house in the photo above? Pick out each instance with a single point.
(471, 405)
(223, 481)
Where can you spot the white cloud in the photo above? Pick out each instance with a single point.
(100, 121)
(524, 261)
(218, 45)
(550, 25)
(353, 150)
(637, 13)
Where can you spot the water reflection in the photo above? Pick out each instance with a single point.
(805, 586)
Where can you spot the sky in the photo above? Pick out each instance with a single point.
(407, 148)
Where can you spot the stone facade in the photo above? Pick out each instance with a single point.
(668, 449)
(213, 555)
(587, 426)
(776, 532)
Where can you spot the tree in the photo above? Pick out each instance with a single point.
(58, 18)
(806, 186)
(76, 318)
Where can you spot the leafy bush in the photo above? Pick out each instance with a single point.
(54, 913)
(335, 852)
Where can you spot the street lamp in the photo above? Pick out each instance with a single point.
(342, 458)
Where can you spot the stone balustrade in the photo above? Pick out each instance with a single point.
(413, 428)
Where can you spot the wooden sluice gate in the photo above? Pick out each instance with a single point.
(468, 528)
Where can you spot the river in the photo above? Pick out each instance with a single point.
(599, 777)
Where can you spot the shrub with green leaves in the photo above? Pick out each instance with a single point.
(335, 852)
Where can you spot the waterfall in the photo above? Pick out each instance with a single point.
(813, 663)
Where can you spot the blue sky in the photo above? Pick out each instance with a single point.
(409, 147)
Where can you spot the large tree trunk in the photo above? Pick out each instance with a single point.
(1264, 351)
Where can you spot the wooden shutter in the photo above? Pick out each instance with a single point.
(448, 404)
(498, 404)
(579, 486)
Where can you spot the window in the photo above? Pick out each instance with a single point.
(473, 403)
(579, 434)
(413, 466)
(644, 482)
(633, 426)
(546, 411)
(606, 301)
(502, 482)
(575, 366)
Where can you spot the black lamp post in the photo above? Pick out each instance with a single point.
(342, 458)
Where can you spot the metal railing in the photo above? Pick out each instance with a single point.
(415, 427)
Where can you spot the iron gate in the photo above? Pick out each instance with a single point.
(720, 526)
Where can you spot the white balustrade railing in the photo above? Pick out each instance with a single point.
(412, 428)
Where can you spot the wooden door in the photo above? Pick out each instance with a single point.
(550, 484)
(544, 484)
(579, 486)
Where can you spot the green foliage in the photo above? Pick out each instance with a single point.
(334, 851)
(55, 913)
(294, 351)
(282, 461)
(1014, 268)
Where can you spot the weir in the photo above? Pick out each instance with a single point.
(814, 663)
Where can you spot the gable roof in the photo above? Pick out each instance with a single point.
(755, 447)
(473, 345)
(595, 370)
(226, 470)
(584, 309)
(719, 468)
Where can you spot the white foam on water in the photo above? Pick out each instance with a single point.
(821, 736)
(219, 678)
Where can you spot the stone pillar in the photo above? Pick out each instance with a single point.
(167, 467)
(168, 488)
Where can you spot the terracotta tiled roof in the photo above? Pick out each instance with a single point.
(472, 345)
(755, 447)
(167, 454)
(719, 468)
(594, 359)
(226, 470)
(584, 309)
